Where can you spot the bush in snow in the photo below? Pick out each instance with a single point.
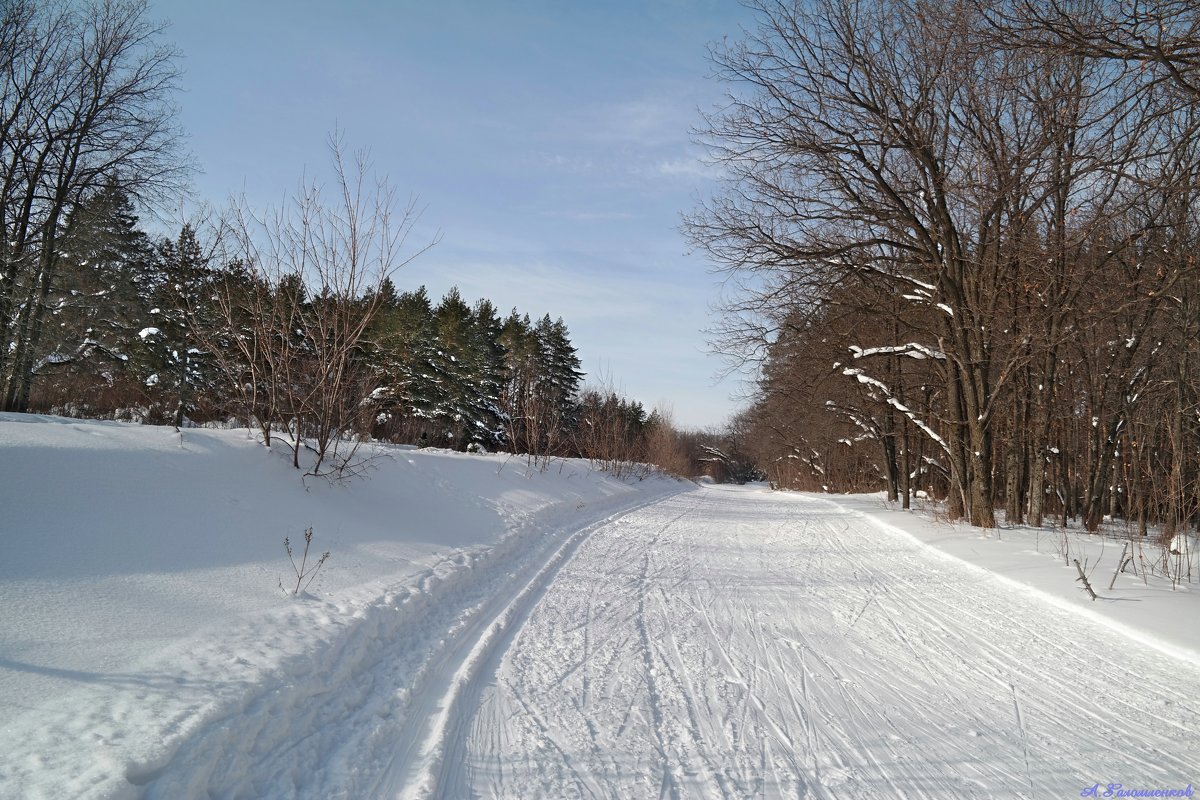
(305, 573)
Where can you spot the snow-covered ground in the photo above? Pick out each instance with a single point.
(144, 630)
(1144, 602)
(487, 630)
(733, 643)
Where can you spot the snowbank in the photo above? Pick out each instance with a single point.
(141, 573)
(1148, 609)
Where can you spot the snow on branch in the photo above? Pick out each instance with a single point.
(912, 350)
(928, 287)
(866, 380)
(896, 404)
(874, 383)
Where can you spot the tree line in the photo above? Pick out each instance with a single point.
(180, 332)
(288, 321)
(963, 238)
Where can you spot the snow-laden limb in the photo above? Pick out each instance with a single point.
(866, 380)
(812, 461)
(924, 293)
(911, 349)
(891, 400)
(862, 437)
(896, 404)
(925, 286)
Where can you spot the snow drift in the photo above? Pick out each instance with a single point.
(143, 576)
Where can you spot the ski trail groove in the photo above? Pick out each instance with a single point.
(736, 643)
(430, 757)
(374, 713)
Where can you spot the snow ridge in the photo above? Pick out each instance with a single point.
(376, 709)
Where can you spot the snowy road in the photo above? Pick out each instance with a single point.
(732, 643)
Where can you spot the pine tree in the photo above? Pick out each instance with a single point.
(518, 379)
(452, 326)
(559, 374)
(98, 302)
(171, 362)
(403, 336)
(489, 370)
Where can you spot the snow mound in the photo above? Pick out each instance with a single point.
(146, 623)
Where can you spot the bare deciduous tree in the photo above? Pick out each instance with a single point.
(958, 188)
(87, 98)
(297, 313)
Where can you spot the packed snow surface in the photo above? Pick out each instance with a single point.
(146, 641)
(484, 629)
(725, 643)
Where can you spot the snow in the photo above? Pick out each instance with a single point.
(141, 586)
(866, 380)
(912, 350)
(746, 644)
(1150, 611)
(929, 287)
(487, 629)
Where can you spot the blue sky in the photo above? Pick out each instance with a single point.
(548, 142)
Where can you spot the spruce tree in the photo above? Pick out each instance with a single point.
(99, 301)
(172, 363)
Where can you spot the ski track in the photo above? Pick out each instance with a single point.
(737, 644)
(377, 713)
(718, 643)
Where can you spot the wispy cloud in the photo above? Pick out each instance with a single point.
(659, 118)
(631, 142)
(573, 164)
(589, 216)
(685, 167)
(651, 121)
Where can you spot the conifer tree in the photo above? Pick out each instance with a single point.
(488, 366)
(98, 300)
(172, 361)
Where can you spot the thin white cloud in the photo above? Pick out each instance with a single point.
(589, 216)
(659, 117)
(685, 167)
(647, 121)
(570, 164)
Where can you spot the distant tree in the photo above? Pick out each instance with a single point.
(610, 430)
(180, 293)
(457, 413)
(487, 360)
(559, 373)
(412, 385)
(519, 380)
(316, 276)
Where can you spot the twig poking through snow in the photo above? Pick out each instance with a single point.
(303, 571)
(1086, 584)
